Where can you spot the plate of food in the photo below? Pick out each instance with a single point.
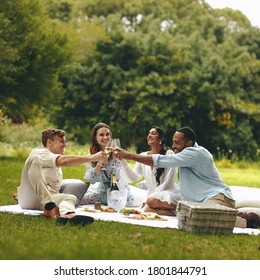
(87, 209)
(151, 216)
(102, 209)
(107, 209)
(128, 211)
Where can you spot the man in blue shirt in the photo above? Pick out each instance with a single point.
(199, 179)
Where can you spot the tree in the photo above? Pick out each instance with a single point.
(169, 63)
(31, 58)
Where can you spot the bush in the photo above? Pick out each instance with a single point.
(17, 140)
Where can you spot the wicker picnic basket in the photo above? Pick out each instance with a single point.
(205, 218)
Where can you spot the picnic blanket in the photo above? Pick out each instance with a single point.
(166, 222)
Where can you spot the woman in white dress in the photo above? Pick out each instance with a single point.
(100, 174)
(162, 192)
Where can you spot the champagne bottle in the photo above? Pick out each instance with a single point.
(114, 186)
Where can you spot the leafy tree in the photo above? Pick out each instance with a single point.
(170, 63)
(61, 10)
(31, 57)
(136, 64)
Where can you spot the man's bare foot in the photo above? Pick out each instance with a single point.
(53, 213)
(15, 197)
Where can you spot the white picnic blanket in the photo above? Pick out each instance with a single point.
(169, 222)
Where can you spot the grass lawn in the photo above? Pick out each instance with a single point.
(36, 238)
(249, 177)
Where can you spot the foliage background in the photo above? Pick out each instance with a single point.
(133, 64)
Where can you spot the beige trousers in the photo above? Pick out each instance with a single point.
(221, 199)
(33, 193)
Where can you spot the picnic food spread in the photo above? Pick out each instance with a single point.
(127, 211)
(102, 209)
(147, 216)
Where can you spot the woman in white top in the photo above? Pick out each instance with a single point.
(162, 192)
(99, 174)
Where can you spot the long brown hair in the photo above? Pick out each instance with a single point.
(94, 147)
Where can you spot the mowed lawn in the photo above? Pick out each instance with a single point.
(37, 238)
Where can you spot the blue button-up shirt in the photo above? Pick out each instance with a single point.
(199, 178)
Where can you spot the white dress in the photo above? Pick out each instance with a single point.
(99, 184)
(166, 191)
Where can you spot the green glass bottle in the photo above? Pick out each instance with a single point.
(114, 186)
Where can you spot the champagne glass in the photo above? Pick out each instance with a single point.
(109, 148)
(116, 143)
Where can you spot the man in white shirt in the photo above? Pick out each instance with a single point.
(42, 178)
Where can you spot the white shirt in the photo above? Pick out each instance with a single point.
(141, 170)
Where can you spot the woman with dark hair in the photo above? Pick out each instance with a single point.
(162, 193)
(100, 173)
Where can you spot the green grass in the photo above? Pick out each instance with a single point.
(36, 238)
(249, 177)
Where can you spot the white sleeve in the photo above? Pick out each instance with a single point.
(89, 171)
(168, 177)
(129, 174)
